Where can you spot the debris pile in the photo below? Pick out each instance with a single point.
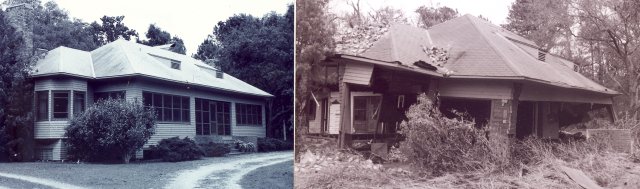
(355, 40)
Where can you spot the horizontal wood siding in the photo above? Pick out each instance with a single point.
(358, 73)
(60, 84)
(480, 89)
(539, 92)
(334, 114)
(168, 130)
(49, 129)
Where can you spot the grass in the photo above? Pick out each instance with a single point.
(275, 176)
(143, 174)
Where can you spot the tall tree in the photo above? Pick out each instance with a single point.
(16, 92)
(156, 36)
(260, 52)
(110, 29)
(314, 42)
(545, 22)
(429, 16)
(611, 31)
(53, 28)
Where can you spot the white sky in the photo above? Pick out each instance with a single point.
(191, 20)
(495, 10)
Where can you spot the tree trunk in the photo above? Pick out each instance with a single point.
(126, 157)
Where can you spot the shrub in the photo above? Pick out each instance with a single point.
(272, 144)
(215, 149)
(175, 149)
(110, 130)
(441, 144)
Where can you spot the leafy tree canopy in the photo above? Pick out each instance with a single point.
(156, 36)
(260, 52)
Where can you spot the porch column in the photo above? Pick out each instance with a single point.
(499, 124)
(345, 117)
(516, 91)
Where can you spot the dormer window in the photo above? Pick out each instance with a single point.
(175, 65)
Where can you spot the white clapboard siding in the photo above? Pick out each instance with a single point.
(480, 89)
(334, 114)
(60, 84)
(49, 129)
(357, 73)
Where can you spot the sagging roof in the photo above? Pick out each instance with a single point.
(123, 58)
(479, 49)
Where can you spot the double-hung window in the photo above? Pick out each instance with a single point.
(60, 104)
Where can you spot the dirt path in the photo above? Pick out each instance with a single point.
(41, 181)
(227, 174)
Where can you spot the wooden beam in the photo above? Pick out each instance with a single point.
(515, 100)
(345, 117)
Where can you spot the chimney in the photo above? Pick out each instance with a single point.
(20, 16)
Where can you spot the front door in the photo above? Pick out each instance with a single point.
(366, 110)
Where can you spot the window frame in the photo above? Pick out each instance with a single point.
(248, 114)
(84, 102)
(165, 106)
(53, 106)
(38, 96)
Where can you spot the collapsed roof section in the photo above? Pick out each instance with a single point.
(476, 49)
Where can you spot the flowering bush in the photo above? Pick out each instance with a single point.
(110, 130)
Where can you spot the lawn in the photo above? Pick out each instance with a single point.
(275, 176)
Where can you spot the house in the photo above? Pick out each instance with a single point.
(502, 80)
(192, 99)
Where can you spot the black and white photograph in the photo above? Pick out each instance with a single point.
(467, 94)
(146, 94)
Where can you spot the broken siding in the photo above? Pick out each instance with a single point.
(482, 89)
(358, 73)
(334, 114)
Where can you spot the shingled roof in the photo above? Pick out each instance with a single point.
(123, 58)
(479, 49)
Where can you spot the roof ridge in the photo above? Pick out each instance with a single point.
(493, 47)
(126, 55)
(61, 59)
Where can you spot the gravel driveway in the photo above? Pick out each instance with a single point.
(226, 174)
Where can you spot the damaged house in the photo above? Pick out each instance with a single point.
(500, 79)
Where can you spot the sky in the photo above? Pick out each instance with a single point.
(495, 10)
(191, 20)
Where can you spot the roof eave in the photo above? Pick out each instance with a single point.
(388, 64)
(184, 82)
(608, 92)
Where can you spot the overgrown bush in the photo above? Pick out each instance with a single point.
(110, 130)
(272, 144)
(175, 149)
(215, 149)
(439, 144)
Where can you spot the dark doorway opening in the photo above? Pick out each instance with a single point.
(525, 119)
(478, 110)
